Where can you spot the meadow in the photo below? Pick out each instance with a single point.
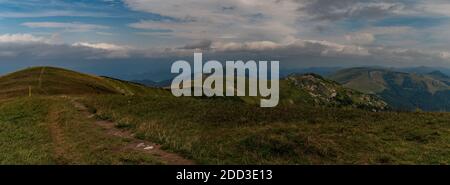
(48, 130)
(229, 132)
(49, 127)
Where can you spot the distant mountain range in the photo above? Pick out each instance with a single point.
(423, 70)
(419, 88)
(407, 89)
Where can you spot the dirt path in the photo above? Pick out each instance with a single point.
(134, 144)
(41, 74)
(57, 138)
(40, 77)
(56, 135)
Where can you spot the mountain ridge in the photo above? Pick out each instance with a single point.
(306, 89)
(404, 91)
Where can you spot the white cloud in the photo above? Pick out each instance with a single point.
(52, 13)
(434, 7)
(445, 55)
(360, 38)
(21, 38)
(248, 20)
(247, 46)
(108, 50)
(335, 49)
(71, 27)
(295, 54)
(285, 28)
(311, 47)
(277, 21)
(104, 46)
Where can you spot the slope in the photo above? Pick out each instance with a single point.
(316, 90)
(56, 81)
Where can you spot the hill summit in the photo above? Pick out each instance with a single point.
(57, 81)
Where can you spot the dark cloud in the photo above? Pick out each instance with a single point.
(342, 9)
(300, 54)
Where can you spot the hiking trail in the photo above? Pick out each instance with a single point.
(134, 144)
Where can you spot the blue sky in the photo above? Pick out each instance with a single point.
(120, 37)
(114, 16)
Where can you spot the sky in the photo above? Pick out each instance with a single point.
(128, 38)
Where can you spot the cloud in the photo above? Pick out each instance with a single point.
(333, 10)
(247, 46)
(336, 32)
(54, 8)
(21, 38)
(297, 54)
(445, 55)
(51, 13)
(278, 21)
(310, 53)
(298, 47)
(104, 33)
(31, 47)
(104, 46)
(360, 38)
(201, 45)
(41, 47)
(236, 20)
(7, 54)
(110, 50)
(70, 27)
(387, 30)
(440, 8)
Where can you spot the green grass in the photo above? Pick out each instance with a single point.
(227, 132)
(47, 129)
(45, 81)
(50, 131)
(24, 137)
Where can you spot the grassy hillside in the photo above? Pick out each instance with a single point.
(57, 81)
(308, 127)
(404, 91)
(50, 131)
(362, 79)
(313, 89)
(223, 132)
